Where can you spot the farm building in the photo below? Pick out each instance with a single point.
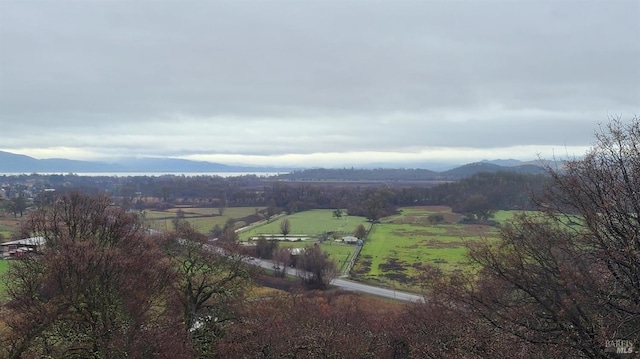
(17, 248)
(352, 240)
(295, 253)
(289, 238)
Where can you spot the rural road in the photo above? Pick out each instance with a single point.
(351, 285)
(340, 283)
(381, 292)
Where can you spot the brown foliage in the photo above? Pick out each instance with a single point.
(360, 231)
(321, 270)
(569, 281)
(316, 325)
(99, 289)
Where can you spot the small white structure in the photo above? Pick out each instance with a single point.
(288, 238)
(296, 251)
(350, 239)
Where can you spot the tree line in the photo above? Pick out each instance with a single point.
(500, 190)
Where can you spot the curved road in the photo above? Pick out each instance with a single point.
(351, 285)
(381, 292)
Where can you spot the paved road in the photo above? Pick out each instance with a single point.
(381, 292)
(351, 285)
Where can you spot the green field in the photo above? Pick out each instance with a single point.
(4, 266)
(505, 216)
(338, 252)
(399, 247)
(202, 219)
(8, 227)
(313, 223)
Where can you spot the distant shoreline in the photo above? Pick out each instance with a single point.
(147, 174)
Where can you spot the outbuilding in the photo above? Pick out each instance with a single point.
(14, 249)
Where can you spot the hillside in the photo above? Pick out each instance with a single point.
(387, 174)
(15, 163)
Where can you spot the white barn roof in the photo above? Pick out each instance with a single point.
(33, 241)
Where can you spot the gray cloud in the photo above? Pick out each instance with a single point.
(275, 77)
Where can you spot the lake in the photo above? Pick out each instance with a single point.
(153, 174)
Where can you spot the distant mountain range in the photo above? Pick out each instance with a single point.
(15, 163)
(413, 174)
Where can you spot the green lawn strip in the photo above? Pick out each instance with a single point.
(4, 267)
(314, 223)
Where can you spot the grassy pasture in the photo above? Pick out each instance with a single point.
(202, 219)
(4, 266)
(400, 246)
(505, 216)
(8, 225)
(338, 252)
(313, 222)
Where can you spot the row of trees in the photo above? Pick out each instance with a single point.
(16, 205)
(502, 190)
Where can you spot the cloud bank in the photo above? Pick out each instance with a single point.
(314, 82)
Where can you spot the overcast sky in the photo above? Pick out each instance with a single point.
(317, 83)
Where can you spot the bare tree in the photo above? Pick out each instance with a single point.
(271, 210)
(281, 260)
(360, 232)
(17, 205)
(265, 248)
(571, 278)
(222, 206)
(435, 218)
(476, 207)
(319, 325)
(317, 263)
(285, 227)
(209, 281)
(100, 287)
(229, 233)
